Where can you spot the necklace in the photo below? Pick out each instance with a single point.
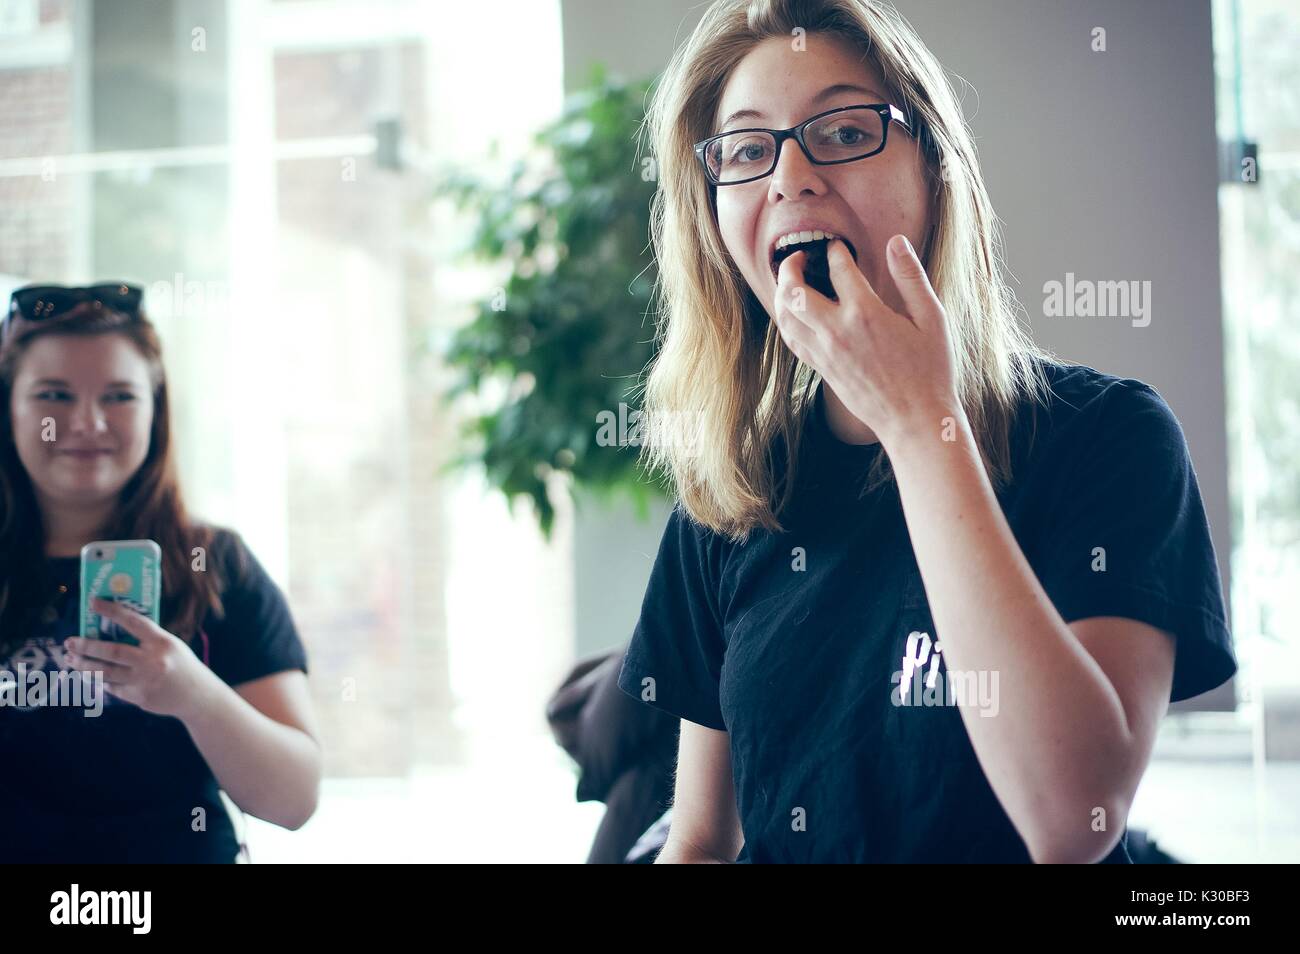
(54, 609)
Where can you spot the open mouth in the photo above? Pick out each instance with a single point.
(816, 271)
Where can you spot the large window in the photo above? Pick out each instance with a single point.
(1243, 766)
(1259, 102)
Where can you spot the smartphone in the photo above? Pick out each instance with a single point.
(123, 571)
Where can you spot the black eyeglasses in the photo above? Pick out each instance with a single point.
(38, 302)
(846, 134)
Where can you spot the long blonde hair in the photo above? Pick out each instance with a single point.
(721, 363)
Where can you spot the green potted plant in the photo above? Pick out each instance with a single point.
(572, 329)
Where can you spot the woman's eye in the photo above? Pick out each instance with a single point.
(847, 135)
(53, 396)
(752, 151)
(119, 397)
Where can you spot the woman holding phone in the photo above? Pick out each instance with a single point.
(214, 698)
(928, 590)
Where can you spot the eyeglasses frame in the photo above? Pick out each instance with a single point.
(887, 111)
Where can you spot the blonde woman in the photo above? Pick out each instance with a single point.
(928, 590)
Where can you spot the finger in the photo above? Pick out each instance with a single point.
(923, 305)
(796, 330)
(141, 627)
(845, 273)
(799, 346)
(79, 662)
(103, 650)
(793, 296)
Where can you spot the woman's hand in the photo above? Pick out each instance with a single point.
(161, 675)
(894, 372)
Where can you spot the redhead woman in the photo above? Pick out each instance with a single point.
(927, 590)
(130, 766)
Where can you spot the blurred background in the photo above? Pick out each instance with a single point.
(397, 253)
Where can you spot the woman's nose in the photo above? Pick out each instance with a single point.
(794, 174)
(87, 418)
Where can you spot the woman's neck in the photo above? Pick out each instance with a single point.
(70, 527)
(841, 421)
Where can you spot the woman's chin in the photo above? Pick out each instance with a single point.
(85, 488)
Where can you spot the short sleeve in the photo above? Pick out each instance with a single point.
(257, 636)
(1126, 534)
(674, 660)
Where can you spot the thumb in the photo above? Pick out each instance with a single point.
(923, 305)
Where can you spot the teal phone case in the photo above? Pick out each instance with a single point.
(124, 571)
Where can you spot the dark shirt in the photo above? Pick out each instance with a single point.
(804, 645)
(126, 784)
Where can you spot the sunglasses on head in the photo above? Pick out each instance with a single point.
(38, 302)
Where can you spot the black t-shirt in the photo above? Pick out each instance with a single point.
(124, 785)
(796, 643)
